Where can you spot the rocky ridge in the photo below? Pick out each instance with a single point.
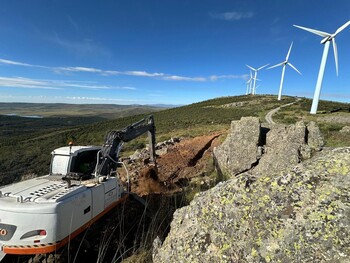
(289, 202)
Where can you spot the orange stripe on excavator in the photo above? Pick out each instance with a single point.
(48, 248)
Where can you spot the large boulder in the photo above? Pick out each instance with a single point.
(289, 145)
(300, 214)
(239, 152)
(266, 148)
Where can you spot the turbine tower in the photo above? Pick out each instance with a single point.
(327, 38)
(255, 75)
(284, 63)
(249, 84)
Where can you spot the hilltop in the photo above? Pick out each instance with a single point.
(187, 137)
(26, 149)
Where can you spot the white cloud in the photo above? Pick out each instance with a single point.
(25, 83)
(96, 87)
(11, 62)
(142, 74)
(68, 99)
(80, 69)
(83, 99)
(80, 47)
(17, 82)
(215, 77)
(136, 73)
(232, 16)
(181, 78)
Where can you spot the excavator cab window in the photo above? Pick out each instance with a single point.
(84, 162)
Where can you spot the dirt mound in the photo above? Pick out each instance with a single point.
(183, 161)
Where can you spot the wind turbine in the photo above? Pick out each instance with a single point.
(255, 75)
(327, 38)
(249, 84)
(284, 63)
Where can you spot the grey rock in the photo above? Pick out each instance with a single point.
(157, 243)
(162, 151)
(239, 151)
(314, 137)
(266, 148)
(345, 129)
(301, 214)
(282, 149)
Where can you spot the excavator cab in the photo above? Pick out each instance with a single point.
(77, 162)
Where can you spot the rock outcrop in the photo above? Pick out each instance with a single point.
(272, 147)
(239, 151)
(297, 213)
(289, 145)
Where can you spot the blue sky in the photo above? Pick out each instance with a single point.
(166, 51)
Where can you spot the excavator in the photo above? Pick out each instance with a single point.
(41, 215)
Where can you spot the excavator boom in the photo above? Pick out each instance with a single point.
(108, 159)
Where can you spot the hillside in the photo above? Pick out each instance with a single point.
(61, 110)
(28, 152)
(185, 162)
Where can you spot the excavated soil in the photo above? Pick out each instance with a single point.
(183, 161)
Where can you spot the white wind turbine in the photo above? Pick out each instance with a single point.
(284, 63)
(249, 84)
(326, 41)
(255, 75)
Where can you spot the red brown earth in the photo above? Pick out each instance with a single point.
(183, 161)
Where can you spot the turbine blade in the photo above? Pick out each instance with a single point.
(290, 64)
(251, 67)
(277, 65)
(341, 28)
(317, 32)
(290, 48)
(335, 54)
(251, 74)
(262, 67)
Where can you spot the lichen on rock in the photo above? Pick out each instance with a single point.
(239, 152)
(273, 147)
(300, 215)
(298, 212)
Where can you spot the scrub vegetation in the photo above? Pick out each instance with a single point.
(26, 143)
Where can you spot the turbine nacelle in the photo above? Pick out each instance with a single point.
(329, 38)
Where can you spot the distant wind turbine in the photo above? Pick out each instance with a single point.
(255, 76)
(284, 63)
(326, 40)
(249, 84)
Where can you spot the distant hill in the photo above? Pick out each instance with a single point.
(26, 145)
(106, 111)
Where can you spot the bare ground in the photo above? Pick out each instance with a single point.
(183, 161)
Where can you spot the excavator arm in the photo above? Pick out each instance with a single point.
(108, 156)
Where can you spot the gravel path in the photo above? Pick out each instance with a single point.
(268, 116)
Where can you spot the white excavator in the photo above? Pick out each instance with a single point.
(41, 215)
